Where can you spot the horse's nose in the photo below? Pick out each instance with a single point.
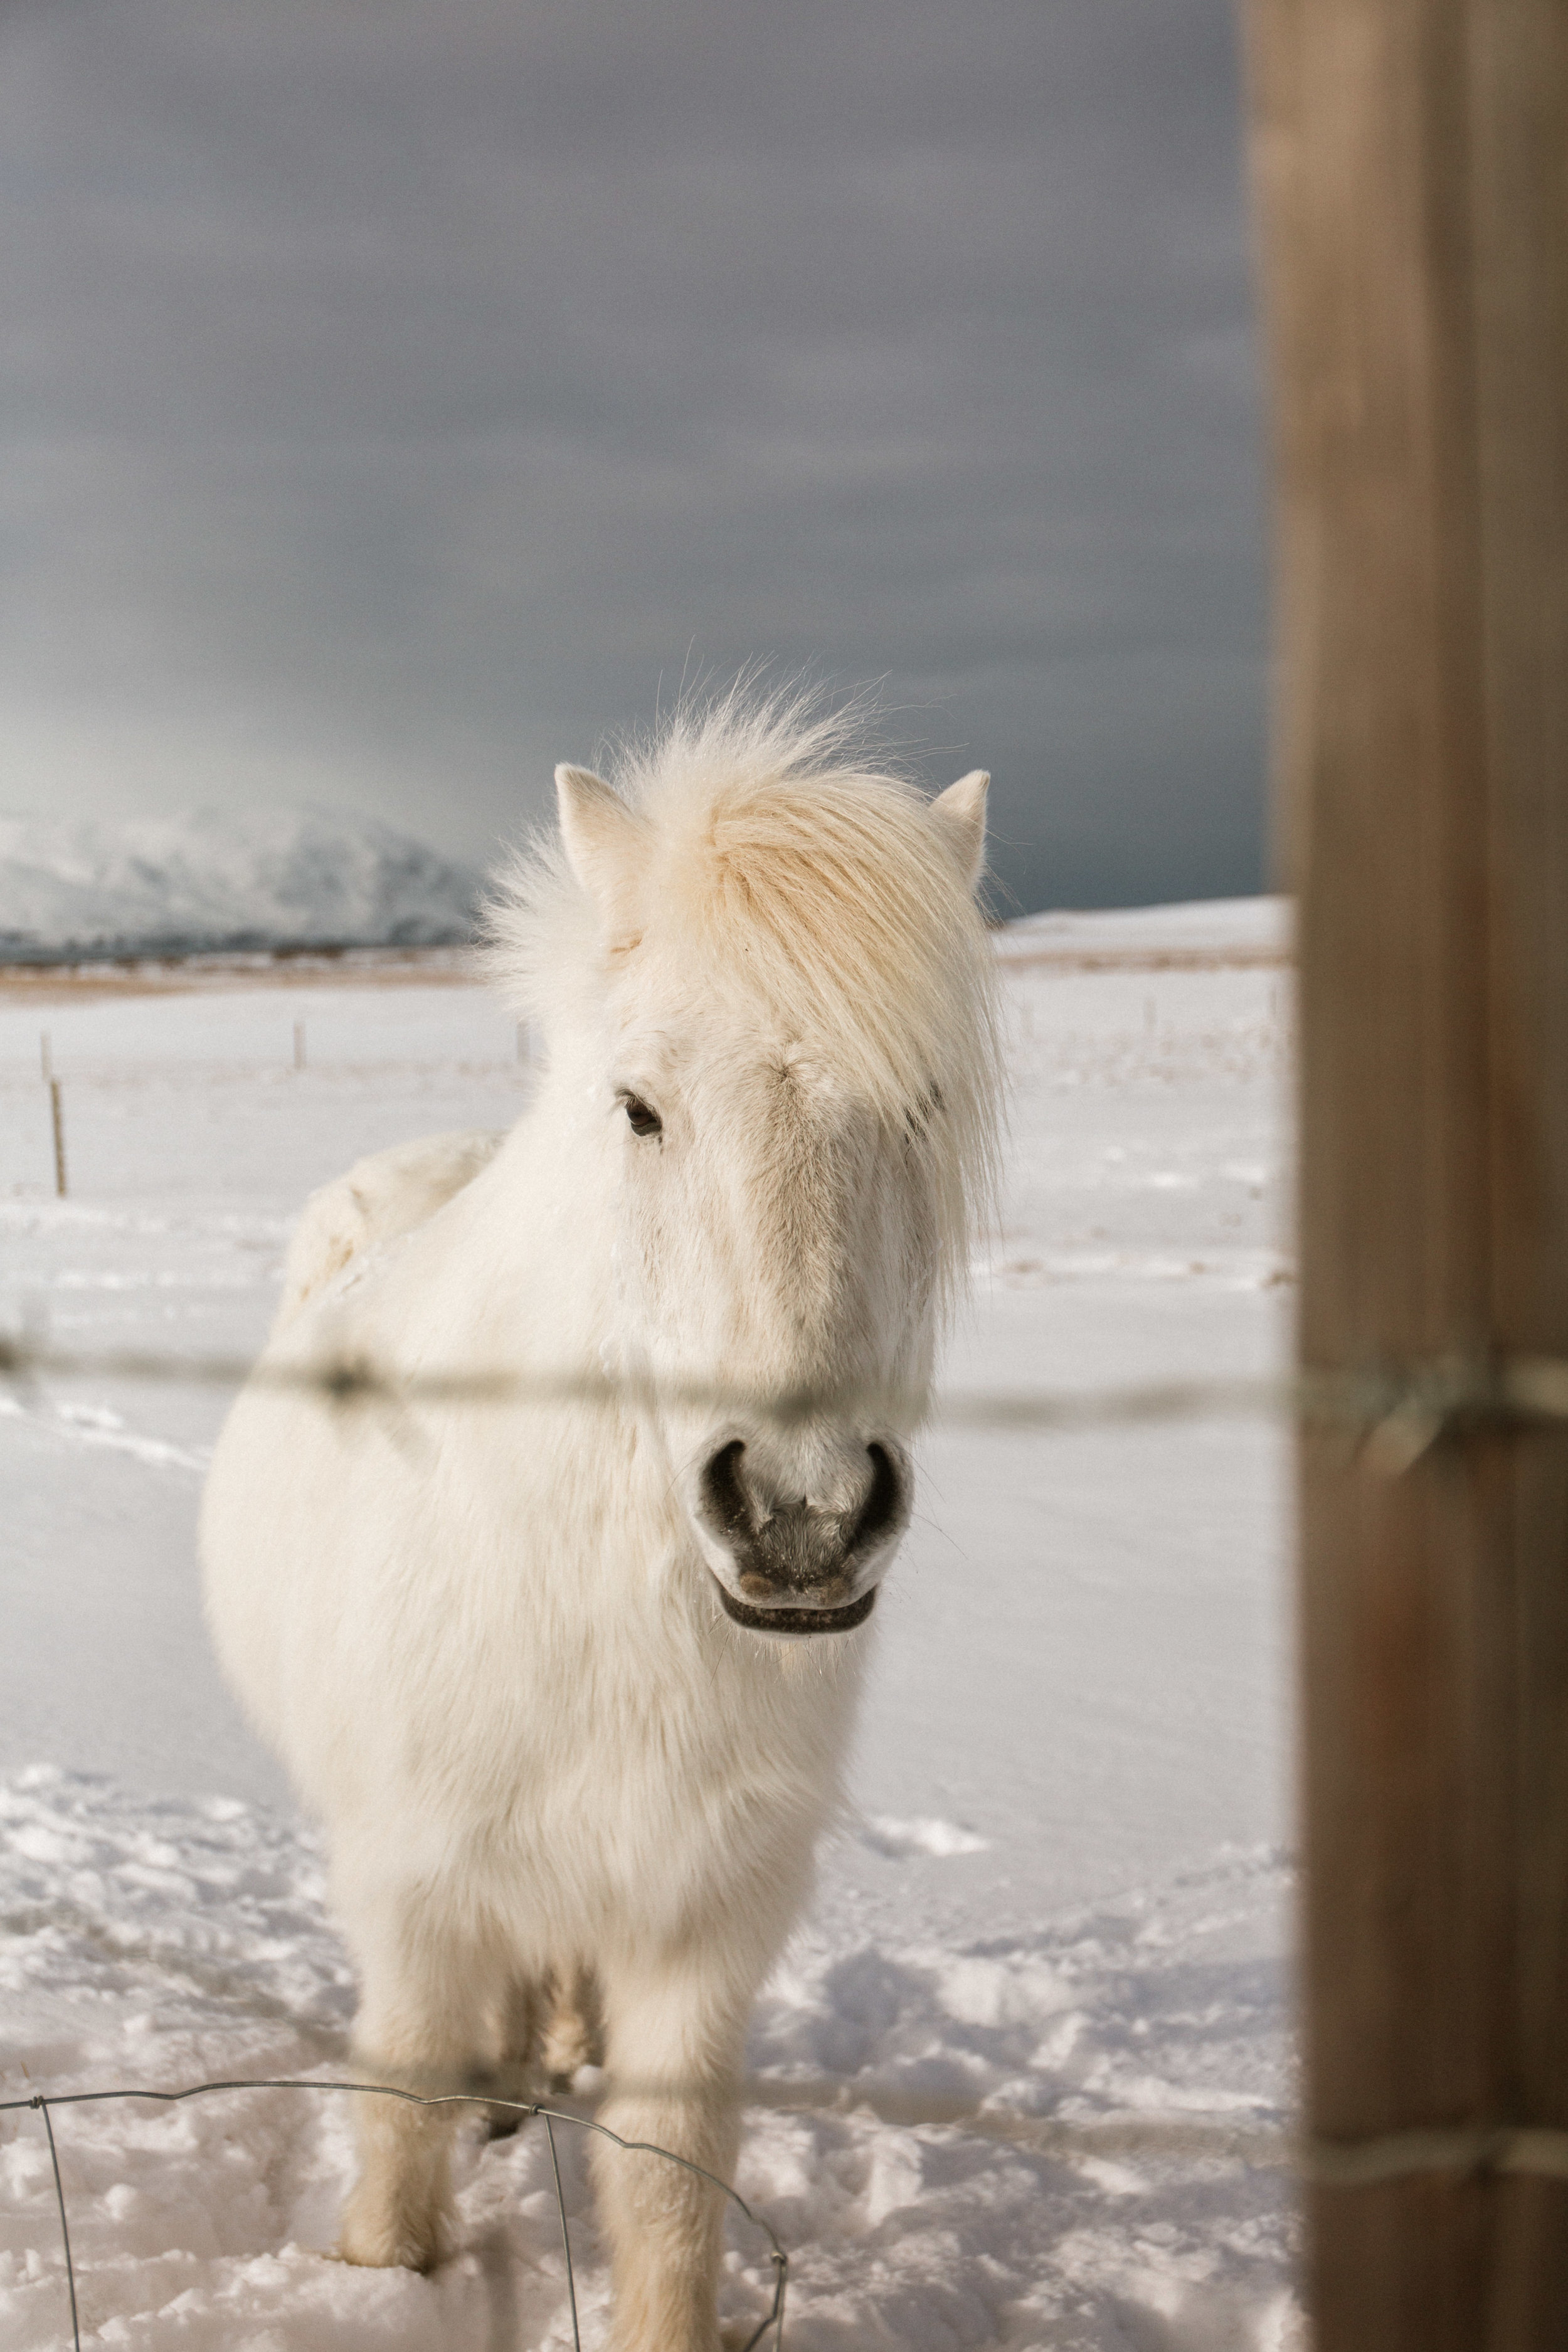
(784, 1540)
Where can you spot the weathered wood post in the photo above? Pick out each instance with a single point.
(57, 1125)
(1412, 166)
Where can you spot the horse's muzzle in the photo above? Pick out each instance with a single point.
(799, 1564)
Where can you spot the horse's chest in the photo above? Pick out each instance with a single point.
(613, 1757)
(654, 1779)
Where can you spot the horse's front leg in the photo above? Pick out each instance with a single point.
(428, 2018)
(674, 2036)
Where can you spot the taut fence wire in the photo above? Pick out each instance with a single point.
(1395, 1412)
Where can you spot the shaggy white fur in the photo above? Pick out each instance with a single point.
(571, 1688)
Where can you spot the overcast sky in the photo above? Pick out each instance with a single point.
(398, 394)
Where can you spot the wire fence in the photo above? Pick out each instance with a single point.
(1496, 2150)
(1392, 1416)
(1396, 1412)
(773, 2321)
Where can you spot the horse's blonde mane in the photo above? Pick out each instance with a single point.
(785, 863)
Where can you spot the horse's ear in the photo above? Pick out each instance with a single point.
(959, 817)
(605, 844)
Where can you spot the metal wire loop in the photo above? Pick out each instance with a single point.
(772, 2320)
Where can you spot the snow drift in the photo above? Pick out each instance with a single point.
(183, 886)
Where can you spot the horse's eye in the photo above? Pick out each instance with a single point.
(642, 1117)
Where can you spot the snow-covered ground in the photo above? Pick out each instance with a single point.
(1065, 1893)
(1212, 930)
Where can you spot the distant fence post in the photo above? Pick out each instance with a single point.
(299, 1045)
(56, 1120)
(1412, 166)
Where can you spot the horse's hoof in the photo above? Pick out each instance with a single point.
(394, 2253)
(388, 2241)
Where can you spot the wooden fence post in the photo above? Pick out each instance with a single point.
(57, 1124)
(1411, 160)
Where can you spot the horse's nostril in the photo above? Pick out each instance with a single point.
(724, 1494)
(885, 1500)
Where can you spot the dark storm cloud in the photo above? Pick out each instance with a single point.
(393, 396)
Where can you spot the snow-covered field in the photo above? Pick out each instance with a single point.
(1064, 1895)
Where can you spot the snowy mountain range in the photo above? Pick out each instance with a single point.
(180, 885)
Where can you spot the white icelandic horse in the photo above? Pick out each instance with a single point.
(570, 1683)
